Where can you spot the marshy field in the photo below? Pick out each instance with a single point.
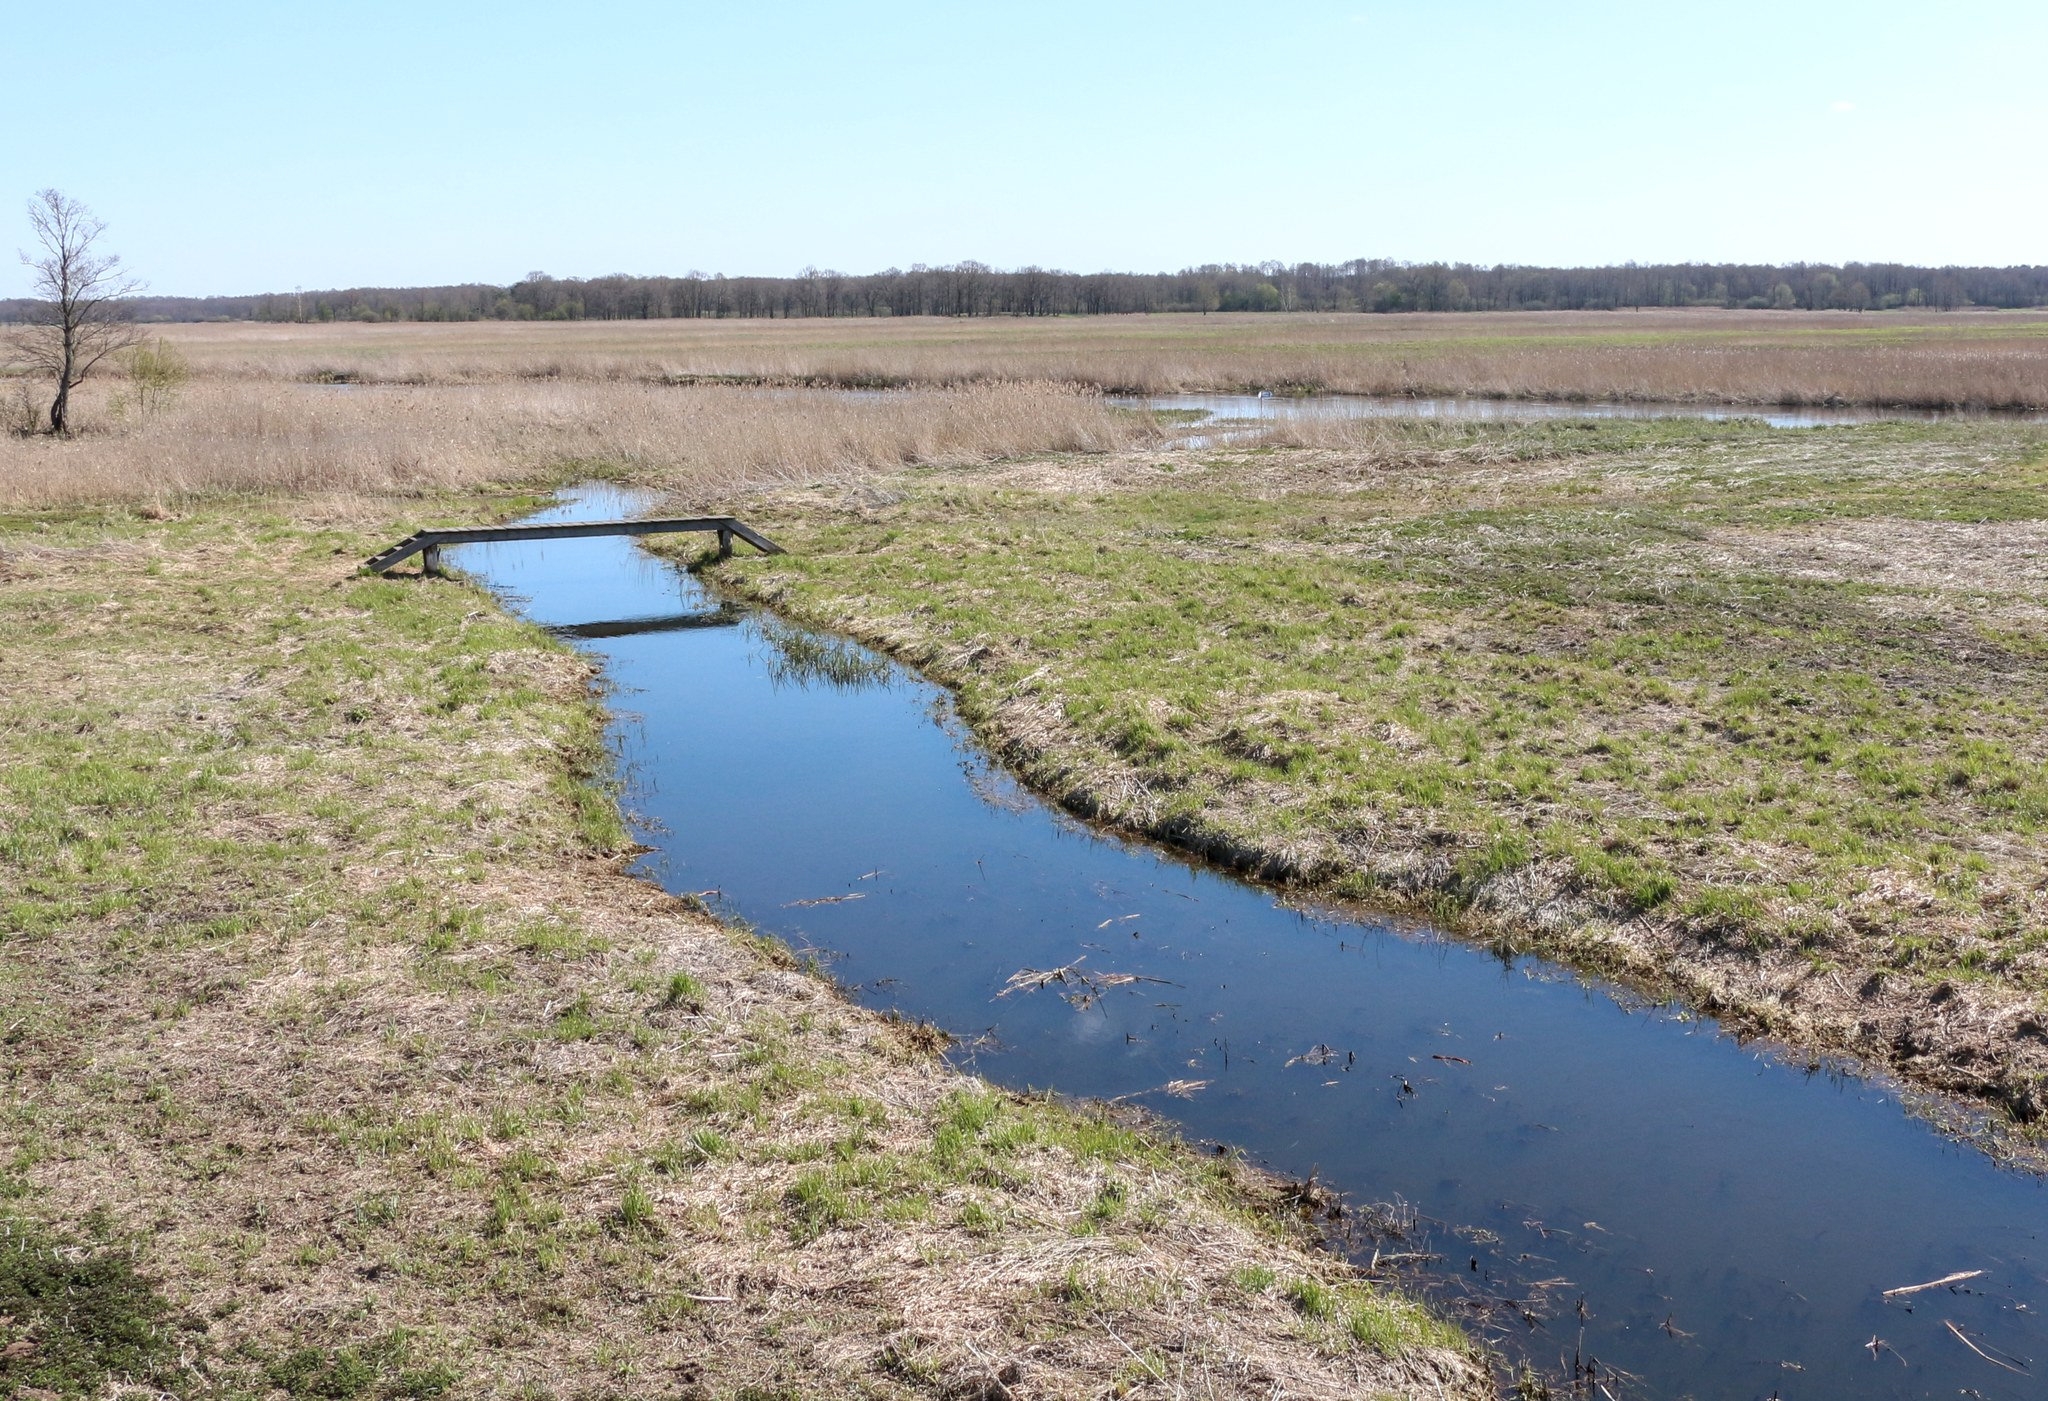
(346, 1058)
(1980, 359)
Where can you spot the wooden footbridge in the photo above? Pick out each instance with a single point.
(428, 543)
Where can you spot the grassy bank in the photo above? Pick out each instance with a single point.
(1757, 718)
(341, 1060)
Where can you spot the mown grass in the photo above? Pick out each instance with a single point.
(1782, 691)
(322, 1000)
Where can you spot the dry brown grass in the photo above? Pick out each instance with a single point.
(701, 443)
(440, 406)
(1903, 358)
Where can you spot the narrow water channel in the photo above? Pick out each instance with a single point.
(1731, 1221)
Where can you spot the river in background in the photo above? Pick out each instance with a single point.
(1240, 413)
(1729, 1217)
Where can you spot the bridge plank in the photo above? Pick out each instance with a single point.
(565, 530)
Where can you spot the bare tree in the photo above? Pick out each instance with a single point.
(77, 319)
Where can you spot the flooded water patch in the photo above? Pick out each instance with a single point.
(1731, 1220)
(1229, 413)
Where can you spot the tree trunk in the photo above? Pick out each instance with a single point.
(67, 375)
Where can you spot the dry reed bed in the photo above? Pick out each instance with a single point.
(703, 443)
(1981, 360)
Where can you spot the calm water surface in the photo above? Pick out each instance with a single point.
(1250, 410)
(1730, 1221)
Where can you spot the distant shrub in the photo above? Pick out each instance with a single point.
(157, 370)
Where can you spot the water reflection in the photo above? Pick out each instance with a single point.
(797, 656)
(721, 617)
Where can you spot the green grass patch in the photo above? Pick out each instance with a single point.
(79, 1317)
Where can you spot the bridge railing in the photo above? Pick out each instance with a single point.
(429, 542)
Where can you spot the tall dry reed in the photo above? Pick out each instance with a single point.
(702, 444)
(1918, 359)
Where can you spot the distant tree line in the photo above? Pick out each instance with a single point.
(974, 289)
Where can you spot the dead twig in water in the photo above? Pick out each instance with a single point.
(1964, 1338)
(1402, 1257)
(1957, 1278)
(1878, 1347)
(1032, 979)
(1090, 985)
(1179, 1089)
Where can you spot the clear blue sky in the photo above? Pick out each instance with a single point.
(240, 147)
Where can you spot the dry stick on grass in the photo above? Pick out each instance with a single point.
(1151, 1367)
